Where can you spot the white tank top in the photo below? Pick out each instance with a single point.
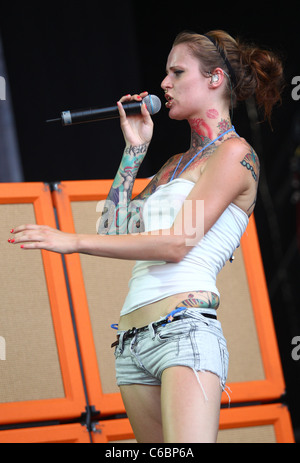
(155, 280)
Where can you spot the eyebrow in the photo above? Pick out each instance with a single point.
(174, 67)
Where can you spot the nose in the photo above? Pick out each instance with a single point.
(165, 83)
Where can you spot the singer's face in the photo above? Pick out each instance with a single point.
(185, 85)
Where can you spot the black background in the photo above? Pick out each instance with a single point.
(73, 54)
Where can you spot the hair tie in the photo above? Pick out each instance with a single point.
(221, 51)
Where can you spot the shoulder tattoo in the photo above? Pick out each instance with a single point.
(251, 162)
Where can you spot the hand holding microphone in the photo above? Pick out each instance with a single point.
(132, 107)
(137, 130)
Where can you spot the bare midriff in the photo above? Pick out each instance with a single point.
(153, 312)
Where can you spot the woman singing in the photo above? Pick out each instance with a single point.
(171, 355)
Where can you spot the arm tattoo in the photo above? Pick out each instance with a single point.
(251, 163)
(136, 151)
(120, 215)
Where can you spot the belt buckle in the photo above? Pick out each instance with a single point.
(130, 333)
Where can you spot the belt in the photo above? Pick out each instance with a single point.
(133, 331)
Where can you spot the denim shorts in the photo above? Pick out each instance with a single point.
(192, 340)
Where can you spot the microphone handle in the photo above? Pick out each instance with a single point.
(95, 114)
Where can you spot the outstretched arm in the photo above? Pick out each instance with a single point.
(223, 181)
(134, 246)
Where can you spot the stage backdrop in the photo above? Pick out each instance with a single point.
(55, 318)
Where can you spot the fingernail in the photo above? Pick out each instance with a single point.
(139, 97)
(11, 241)
(22, 246)
(12, 230)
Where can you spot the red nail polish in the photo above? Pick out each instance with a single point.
(8, 241)
(12, 230)
(22, 246)
(12, 241)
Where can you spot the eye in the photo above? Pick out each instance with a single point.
(178, 72)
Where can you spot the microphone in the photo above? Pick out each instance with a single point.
(80, 116)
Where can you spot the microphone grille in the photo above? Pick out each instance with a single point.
(153, 103)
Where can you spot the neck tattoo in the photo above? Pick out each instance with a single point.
(197, 154)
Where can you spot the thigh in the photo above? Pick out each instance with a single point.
(142, 404)
(190, 411)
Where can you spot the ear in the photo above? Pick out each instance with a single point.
(216, 78)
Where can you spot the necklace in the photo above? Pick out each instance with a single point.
(202, 149)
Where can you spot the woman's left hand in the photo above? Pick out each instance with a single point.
(44, 237)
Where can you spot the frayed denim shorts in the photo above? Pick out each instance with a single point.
(192, 340)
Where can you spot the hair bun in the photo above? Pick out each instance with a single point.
(261, 74)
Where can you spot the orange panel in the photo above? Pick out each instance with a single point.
(73, 403)
(260, 415)
(107, 403)
(267, 419)
(273, 386)
(61, 434)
